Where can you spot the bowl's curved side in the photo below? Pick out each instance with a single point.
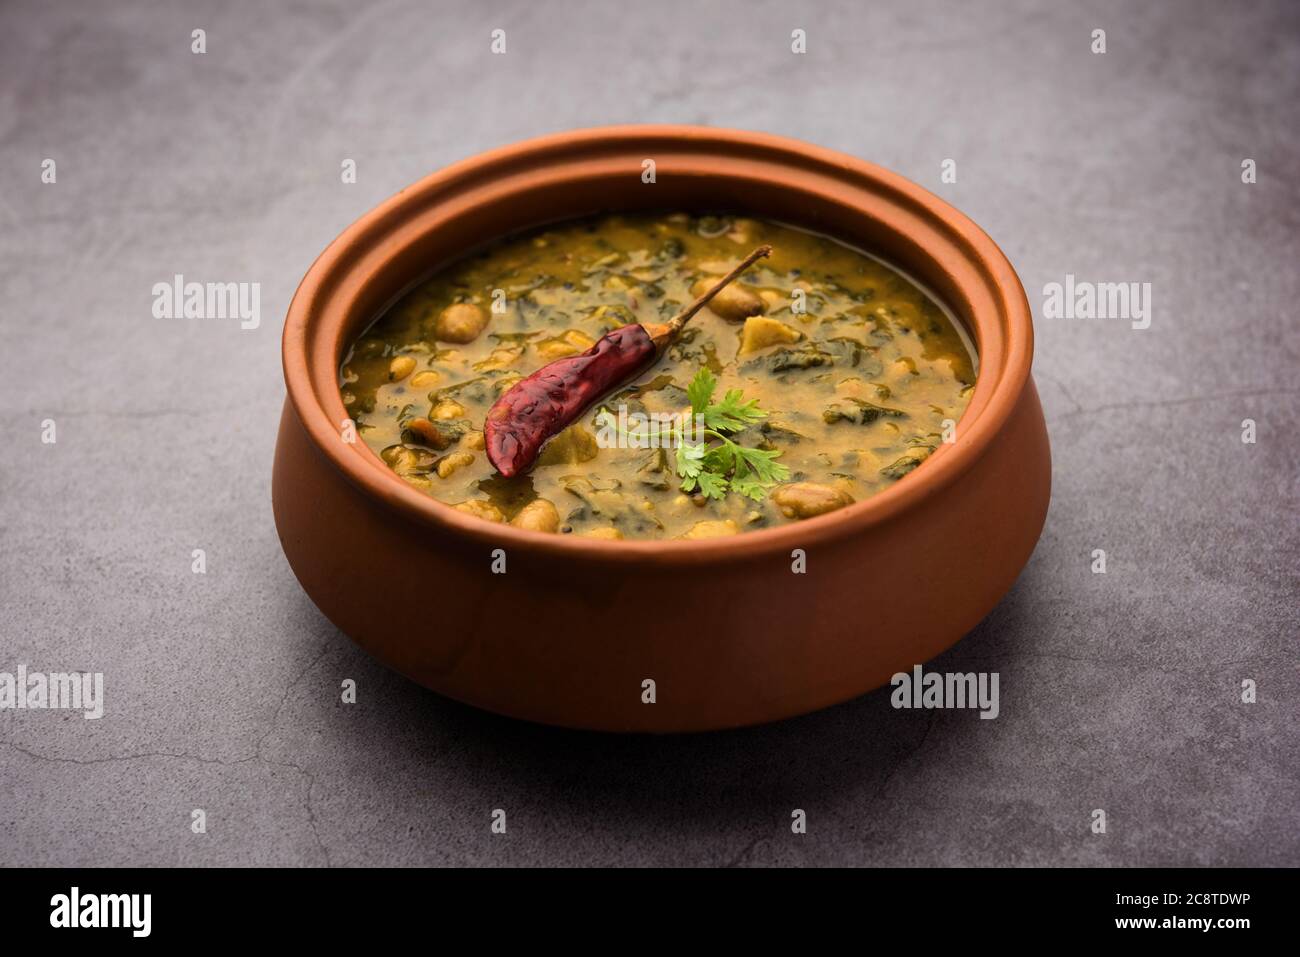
(738, 644)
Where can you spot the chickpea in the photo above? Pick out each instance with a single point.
(568, 343)
(844, 485)
(735, 303)
(473, 440)
(406, 462)
(461, 322)
(398, 457)
(481, 509)
(448, 409)
(808, 499)
(539, 515)
(608, 533)
(400, 368)
(449, 464)
(425, 380)
(712, 529)
(506, 382)
(502, 357)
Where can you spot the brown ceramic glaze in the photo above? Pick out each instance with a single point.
(730, 635)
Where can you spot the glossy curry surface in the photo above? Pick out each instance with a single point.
(862, 374)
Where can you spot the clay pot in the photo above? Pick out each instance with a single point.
(725, 629)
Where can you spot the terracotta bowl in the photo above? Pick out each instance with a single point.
(729, 634)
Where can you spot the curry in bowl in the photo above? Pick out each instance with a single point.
(818, 378)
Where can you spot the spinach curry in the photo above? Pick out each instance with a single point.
(858, 374)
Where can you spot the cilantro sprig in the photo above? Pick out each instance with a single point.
(708, 460)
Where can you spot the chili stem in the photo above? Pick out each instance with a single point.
(679, 320)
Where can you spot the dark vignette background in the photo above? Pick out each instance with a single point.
(1119, 691)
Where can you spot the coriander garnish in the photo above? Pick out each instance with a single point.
(715, 469)
(708, 460)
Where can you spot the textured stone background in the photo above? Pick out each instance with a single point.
(1119, 691)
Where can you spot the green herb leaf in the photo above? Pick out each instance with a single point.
(690, 463)
(750, 488)
(712, 485)
(714, 470)
(762, 464)
(700, 391)
(732, 414)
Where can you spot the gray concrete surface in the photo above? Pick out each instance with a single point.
(1120, 691)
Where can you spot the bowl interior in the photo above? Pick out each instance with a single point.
(465, 231)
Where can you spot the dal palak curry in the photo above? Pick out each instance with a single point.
(820, 377)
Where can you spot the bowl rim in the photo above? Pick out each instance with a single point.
(317, 323)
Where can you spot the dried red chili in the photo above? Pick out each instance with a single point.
(545, 403)
(549, 400)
